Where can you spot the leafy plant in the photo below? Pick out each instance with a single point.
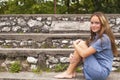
(15, 67)
(78, 69)
(60, 67)
(39, 70)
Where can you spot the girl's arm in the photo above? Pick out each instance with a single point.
(83, 50)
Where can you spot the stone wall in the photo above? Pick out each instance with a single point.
(51, 23)
(47, 24)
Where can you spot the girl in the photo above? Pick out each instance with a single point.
(96, 53)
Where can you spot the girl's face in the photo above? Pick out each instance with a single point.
(95, 24)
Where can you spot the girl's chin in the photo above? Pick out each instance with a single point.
(95, 31)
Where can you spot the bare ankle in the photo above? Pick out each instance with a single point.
(69, 72)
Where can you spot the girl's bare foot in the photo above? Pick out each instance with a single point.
(65, 75)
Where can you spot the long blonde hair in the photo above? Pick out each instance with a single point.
(105, 29)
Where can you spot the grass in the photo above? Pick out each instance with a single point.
(15, 67)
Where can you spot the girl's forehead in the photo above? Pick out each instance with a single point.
(94, 18)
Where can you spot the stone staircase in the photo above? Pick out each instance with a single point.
(55, 40)
(35, 51)
(42, 37)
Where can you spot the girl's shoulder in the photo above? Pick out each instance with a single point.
(105, 36)
(105, 39)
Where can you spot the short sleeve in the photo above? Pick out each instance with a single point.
(101, 44)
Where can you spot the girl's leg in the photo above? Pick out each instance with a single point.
(70, 72)
(73, 63)
(93, 70)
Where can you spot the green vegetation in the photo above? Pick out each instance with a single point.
(60, 67)
(2, 69)
(62, 6)
(118, 70)
(15, 67)
(6, 46)
(78, 69)
(65, 46)
(44, 45)
(39, 70)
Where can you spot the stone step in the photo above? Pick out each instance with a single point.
(31, 51)
(40, 36)
(37, 51)
(44, 36)
(46, 76)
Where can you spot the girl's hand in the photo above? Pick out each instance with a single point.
(83, 44)
(76, 42)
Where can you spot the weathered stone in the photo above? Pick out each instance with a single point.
(42, 60)
(21, 22)
(6, 29)
(16, 28)
(64, 59)
(114, 69)
(33, 67)
(32, 60)
(118, 21)
(34, 23)
(65, 41)
(53, 59)
(64, 26)
(116, 64)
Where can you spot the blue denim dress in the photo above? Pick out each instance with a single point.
(98, 66)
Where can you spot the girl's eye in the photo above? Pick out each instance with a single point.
(91, 22)
(95, 22)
